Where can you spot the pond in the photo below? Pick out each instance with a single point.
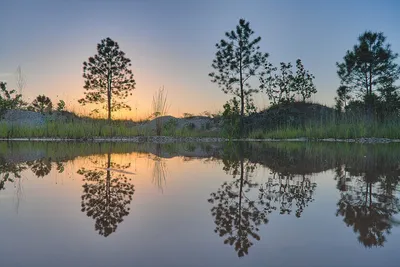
(222, 204)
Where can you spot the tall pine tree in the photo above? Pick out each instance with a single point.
(237, 60)
(108, 79)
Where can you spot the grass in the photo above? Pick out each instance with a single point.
(74, 127)
(100, 129)
(344, 130)
(86, 129)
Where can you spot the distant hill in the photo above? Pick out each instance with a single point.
(293, 114)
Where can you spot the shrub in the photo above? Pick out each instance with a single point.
(8, 99)
(60, 106)
(41, 104)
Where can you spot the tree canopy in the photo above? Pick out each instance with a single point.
(108, 79)
(41, 104)
(369, 70)
(283, 86)
(237, 60)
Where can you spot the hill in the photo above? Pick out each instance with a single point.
(293, 114)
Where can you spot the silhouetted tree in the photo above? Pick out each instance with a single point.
(9, 99)
(237, 60)
(106, 196)
(41, 104)
(61, 106)
(343, 98)
(389, 98)
(303, 81)
(368, 67)
(231, 118)
(108, 78)
(279, 86)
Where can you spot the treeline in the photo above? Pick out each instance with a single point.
(368, 79)
(368, 76)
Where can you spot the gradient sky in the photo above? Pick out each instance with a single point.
(172, 43)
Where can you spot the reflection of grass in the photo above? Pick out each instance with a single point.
(382, 157)
(159, 173)
(343, 151)
(69, 150)
(315, 157)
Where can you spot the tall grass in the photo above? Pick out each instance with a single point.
(75, 130)
(89, 130)
(347, 128)
(86, 129)
(160, 108)
(73, 127)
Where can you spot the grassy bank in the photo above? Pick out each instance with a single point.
(90, 129)
(345, 130)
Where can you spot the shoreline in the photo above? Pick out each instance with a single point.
(169, 139)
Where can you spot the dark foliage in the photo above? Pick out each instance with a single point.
(108, 79)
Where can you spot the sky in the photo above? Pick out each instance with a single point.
(172, 43)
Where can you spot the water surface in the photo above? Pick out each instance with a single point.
(244, 204)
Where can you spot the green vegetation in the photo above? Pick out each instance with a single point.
(343, 130)
(237, 60)
(368, 77)
(284, 87)
(60, 106)
(90, 128)
(238, 64)
(367, 102)
(41, 104)
(8, 99)
(160, 108)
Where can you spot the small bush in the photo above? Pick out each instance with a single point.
(8, 99)
(41, 104)
(60, 106)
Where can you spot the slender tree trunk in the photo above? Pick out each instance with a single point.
(242, 101)
(372, 104)
(109, 96)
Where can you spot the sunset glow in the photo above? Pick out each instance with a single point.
(172, 44)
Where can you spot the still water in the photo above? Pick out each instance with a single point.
(244, 204)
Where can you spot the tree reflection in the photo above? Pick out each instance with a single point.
(236, 216)
(368, 201)
(285, 190)
(106, 195)
(241, 205)
(10, 172)
(40, 167)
